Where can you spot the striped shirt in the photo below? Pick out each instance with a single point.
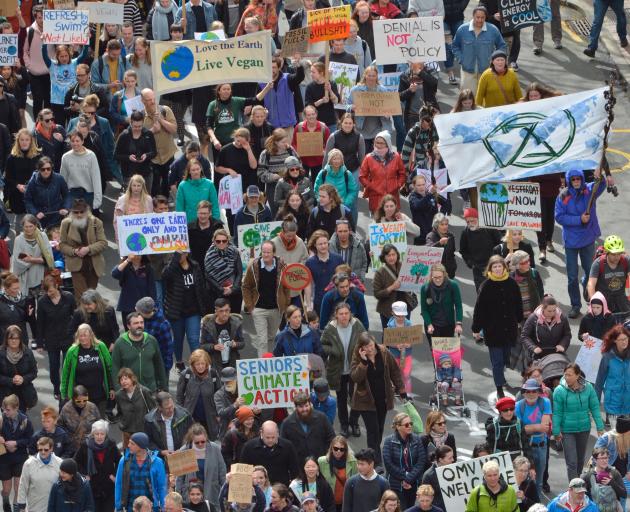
(133, 15)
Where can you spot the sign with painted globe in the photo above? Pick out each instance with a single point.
(152, 233)
(177, 63)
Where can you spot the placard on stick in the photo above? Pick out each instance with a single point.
(182, 463)
(240, 489)
(330, 23)
(296, 41)
(376, 103)
(296, 277)
(104, 12)
(403, 335)
(445, 344)
(310, 143)
(65, 4)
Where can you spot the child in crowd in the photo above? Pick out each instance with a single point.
(322, 401)
(598, 320)
(423, 207)
(449, 377)
(401, 352)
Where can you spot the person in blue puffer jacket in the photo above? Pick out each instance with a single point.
(580, 229)
(296, 337)
(613, 376)
(46, 194)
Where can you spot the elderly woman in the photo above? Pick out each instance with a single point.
(387, 284)
(196, 388)
(498, 311)
(376, 376)
(97, 458)
(337, 466)
(224, 271)
(526, 492)
(32, 255)
(18, 369)
(613, 376)
(88, 362)
(441, 304)
(133, 402)
(493, 493)
(440, 236)
(529, 281)
(405, 458)
(77, 416)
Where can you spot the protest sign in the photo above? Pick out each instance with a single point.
(330, 23)
(445, 344)
(104, 12)
(66, 27)
(295, 41)
(344, 76)
(240, 488)
(64, 4)
(310, 143)
(390, 81)
(8, 49)
(376, 104)
(7, 9)
(273, 382)
(439, 175)
(251, 236)
(394, 233)
(183, 462)
(459, 479)
(511, 204)
(589, 357)
(411, 335)
(283, 23)
(152, 233)
(416, 265)
(184, 65)
(517, 14)
(296, 277)
(213, 35)
(409, 39)
(134, 104)
(231, 193)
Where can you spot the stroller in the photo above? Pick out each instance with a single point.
(448, 381)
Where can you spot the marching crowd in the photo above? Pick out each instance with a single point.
(86, 136)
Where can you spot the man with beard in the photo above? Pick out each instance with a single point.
(226, 399)
(309, 430)
(140, 352)
(82, 242)
(82, 88)
(277, 455)
(475, 245)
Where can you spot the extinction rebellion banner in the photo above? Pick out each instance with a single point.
(188, 64)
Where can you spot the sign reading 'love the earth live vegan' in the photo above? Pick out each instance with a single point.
(272, 382)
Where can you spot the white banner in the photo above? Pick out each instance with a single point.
(66, 27)
(409, 40)
(231, 193)
(152, 233)
(416, 266)
(394, 233)
(344, 76)
(8, 49)
(522, 140)
(589, 357)
(104, 12)
(251, 236)
(510, 205)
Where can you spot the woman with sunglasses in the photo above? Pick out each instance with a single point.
(506, 433)
(78, 416)
(50, 136)
(337, 466)
(224, 271)
(437, 435)
(405, 458)
(46, 195)
(136, 281)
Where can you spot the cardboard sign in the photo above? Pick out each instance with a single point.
(403, 335)
(231, 193)
(296, 277)
(104, 12)
(394, 233)
(409, 40)
(344, 76)
(8, 7)
(66, 27)
(64, 4)
(240, 489)
(376, 103)
(251, 236)
(330, 23)
(510, 204)
(134, 104)
(273, 382)
(8, 49)
(152, 233)
(416, 267)
(589, 357)
(459, 479)
(182, 462)
(445, 344)
(517, 14)
(296, 41)
(310, 143)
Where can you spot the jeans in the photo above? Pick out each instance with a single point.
(81, 193)
(55, 363)
(344, 394)
(452, 27)
(190, 326)
(600, 7)
(575, 451)
(586, 254)
(499, 357)
(539, 457)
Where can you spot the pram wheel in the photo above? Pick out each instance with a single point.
(466, 412)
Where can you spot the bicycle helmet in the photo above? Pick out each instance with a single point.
(613, 244)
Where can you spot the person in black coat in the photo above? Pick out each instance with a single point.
(201, 231)
(6, 141)
(15, 308)
(97, 458)
(50, 137)
(19, 168)
(93, 142)
(74, 97)
(440, 236)
(476, 245)
(317, 439)
(71, 493)
(62, 444)
(309, 475)
(95, 311)
(135, 148)
(9, 113)
(46, 195)
(418, 81)
(444, 456)
(18, 369)
(513, 241)
(526, 491)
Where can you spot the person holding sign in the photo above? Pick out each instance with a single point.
(322, 94)
(312, 157)
(613, 374)
(118, 107)
(387, 283)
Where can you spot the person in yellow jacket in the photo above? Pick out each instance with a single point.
(498, 84)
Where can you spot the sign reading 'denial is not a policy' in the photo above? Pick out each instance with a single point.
(409, 39)
(152, 233)
(272, 382)
(66, 27)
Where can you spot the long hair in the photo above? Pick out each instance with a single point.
(338, 440)
(88, 328)
(388, 496)
(11, 330)
(380, 212)
(464, 94)
(134, 59)
(611, 336)
(189, 165)
(369, 68)
(335, 200)
(93, 297)
(32, 151)
(144, 195)
(284, 209)
(545, 91)
(271, 144)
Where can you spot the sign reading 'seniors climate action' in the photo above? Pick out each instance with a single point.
(272, 382)
(394, 233)
(459, 479)
(409, 39)
(8, 49)
(66, 27)
(152, 233)
(511, 204)
(188, 64)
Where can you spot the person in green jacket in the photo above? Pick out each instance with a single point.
(574, 403)
(337, 466)
(88, 363)
(493, 494)
(441, 304)
(336, 174)
(195, 188)
(139, 352)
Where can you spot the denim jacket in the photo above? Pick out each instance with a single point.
(208, 11)
(473, 52)
(386, 121)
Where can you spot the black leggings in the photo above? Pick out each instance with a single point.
(375, 426)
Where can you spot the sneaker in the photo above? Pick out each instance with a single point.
(537, 51)
(623, 42)
(459, 401)
(514, 66)
(590, 53)
(542, 257)
(557, 45)
(356, 431)
(345, 432)
(550, 247)
(180, 142)
(575, 312)
(180, 367)
(452, 80)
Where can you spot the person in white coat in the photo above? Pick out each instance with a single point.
(39, 473)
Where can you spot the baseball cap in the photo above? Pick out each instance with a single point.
(578, 485)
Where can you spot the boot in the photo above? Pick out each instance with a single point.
(500, 393)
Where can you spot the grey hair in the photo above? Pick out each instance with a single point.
(437, 219)
(521, 461)
(537, 507)
(519, 256)
(491, 465)
(332, 153)
(90, 297)
(100, 426)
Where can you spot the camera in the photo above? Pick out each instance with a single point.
(76, 99)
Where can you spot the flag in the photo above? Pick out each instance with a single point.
(522, 140)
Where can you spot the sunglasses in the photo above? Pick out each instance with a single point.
(50, 119)
(199, 443)
(440, 423)
(220, 241)
(340, 449)
(511, 409)
(409, 424)
(46, 169)
(43, 450)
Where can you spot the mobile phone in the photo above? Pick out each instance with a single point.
(22, 255)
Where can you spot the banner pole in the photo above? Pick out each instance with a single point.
(327, 61)
(97, 44)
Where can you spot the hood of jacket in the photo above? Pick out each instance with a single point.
(600, 296)
(570, 174)
(304, 332)
(563, 501)
(581, 385)
(540, 318)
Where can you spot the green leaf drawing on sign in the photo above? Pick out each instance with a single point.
(251, 238)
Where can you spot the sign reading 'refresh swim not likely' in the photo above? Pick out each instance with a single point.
(409, 40)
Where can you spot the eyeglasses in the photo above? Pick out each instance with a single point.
(408, 424)
(576, 178)
(220, 241)
(295, 169)
(340, 449)
(524, 262)
(440, 423)
(43, 450)
(50, 119)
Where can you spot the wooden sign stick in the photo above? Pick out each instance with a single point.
(97, 44)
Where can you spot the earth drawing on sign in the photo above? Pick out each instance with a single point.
(177, 63)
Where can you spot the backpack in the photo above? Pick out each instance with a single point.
(345, 177)
(540, 403)
(497, 430)
(604, 496)
(600, 255)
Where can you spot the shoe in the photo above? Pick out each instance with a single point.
(590, 53)
(575, 312)
(550, 247)
(57, 396)
(546, 487)
(514, 66)
(585, 295)
(557, 45)
(542, 257)
(537, 51)
(623, 42)
(180, 367)
(6, 507)
(345, 432)
(180, 142)
(452, 80)
(356, 431)
(500, 392)
(459, 401)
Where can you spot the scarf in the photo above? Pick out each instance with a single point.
(438, 439)
(15, 300)
(222, 264)
(160, 21)
(436, 293)
(14, 357)
(534, 298)
(93, 447)
(502, 277)
(288, 245)
(71, 489)
(39, 128)
(337, 463)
